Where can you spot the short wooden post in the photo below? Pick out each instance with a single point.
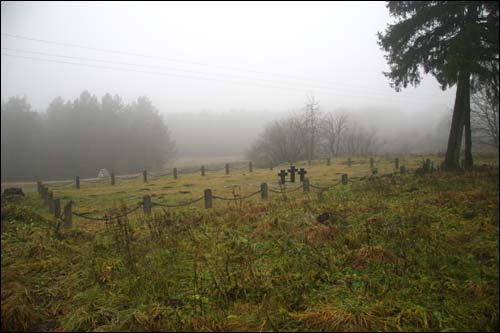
(371, 162)
(250, 166)
(43, 194)
(203, 170)
(349, 162)
(227, 168)
(50, 202)
(145, 176)
(208, 198)
(427, 166)
(305, 185)
(328, 161)
(146, 202)
(112, 178)
(263, 191)
(344, 179)
(46, 195)
(402, 169)
(68, 218)
(77, 181)
(57, 207)
(38, 186)
(175, 173)
(396, 163)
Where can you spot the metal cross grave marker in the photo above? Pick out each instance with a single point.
(302, 172)
(282, 176)
(292, 171)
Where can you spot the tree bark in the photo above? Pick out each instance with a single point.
(468, 162)
(451, 161)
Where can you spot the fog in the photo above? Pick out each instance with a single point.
(219, 72)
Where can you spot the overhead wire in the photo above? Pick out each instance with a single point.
(343, 84)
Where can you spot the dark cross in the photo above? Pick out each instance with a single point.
(302, 172)
(282, 176)
(292, 171)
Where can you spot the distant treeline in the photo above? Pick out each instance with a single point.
(81, 137)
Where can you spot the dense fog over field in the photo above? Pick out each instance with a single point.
(219, 75)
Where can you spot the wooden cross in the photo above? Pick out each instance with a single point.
(282, 176)
(292, 171)
(302, 174)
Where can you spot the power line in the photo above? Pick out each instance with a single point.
(137, 71)
(174, 69)
(181, 76)
(297, 78)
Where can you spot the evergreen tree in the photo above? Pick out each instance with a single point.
(456, 41)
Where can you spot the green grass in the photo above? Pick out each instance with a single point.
(398, 253)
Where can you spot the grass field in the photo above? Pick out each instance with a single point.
(402, 252)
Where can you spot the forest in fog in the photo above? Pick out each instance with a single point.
(80, 137)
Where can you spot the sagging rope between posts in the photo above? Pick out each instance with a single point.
(61, 185)
(238, 198)
(325, 188)
(54, 204)
(129, 176)
(283, 191)
(179, 204)
(106, 217)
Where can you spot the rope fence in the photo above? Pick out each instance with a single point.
(129, 176)
(61, 185)
(179, 204)
(239, 197)
(54, 205)
(111, 178)
(284, 191)
(325, 188)
(105, 217)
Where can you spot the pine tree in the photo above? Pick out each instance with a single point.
(455, 41)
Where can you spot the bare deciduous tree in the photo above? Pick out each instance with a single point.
(331, 132)
(281, 141)
(312, 116)
(485, 115)
(358, 141)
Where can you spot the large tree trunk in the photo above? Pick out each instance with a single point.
(468, 163)
(462, 99)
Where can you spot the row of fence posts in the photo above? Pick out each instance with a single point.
(227, 170)
(145, 174)
(55, 208)
(208, 197)
(54, 205)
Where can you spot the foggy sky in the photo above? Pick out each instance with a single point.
(262, 59)
(332, 44)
